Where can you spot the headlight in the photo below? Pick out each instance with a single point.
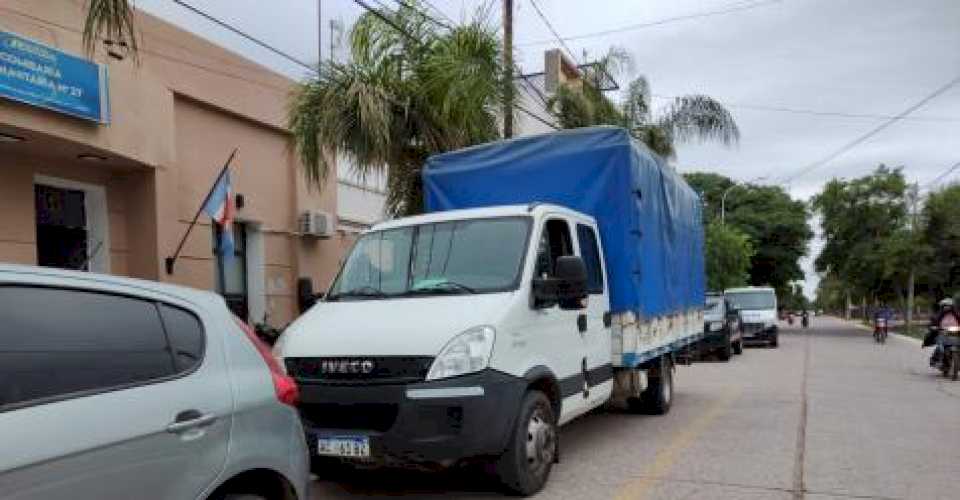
(716, 326)
(467, 353)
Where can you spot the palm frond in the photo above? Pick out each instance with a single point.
(636, 102)
(113, 21)
(699, 117)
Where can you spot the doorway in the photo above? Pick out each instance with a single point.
(231, 271)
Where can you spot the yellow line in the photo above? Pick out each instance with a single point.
(666, 457)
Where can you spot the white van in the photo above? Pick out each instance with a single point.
(758, 313)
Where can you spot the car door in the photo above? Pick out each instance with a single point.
(108, 393)
(596, 337)
(554, 331)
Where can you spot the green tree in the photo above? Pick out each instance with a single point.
(711, 187)
(401, 99)
(867, 246)
(940, 237)
(728, 252)
(686, 118)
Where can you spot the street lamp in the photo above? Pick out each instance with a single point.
(723, 199)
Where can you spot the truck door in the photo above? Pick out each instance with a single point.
(556, 331)
(596, 336)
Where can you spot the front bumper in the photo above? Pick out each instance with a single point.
(717, 339)
(756, 332)
(439, 421)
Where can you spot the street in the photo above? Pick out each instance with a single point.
(829, 414)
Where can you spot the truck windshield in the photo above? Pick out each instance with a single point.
(751, 301)
(463, 256)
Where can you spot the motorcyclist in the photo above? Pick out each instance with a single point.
(805, 318)
(933, 336)
(882, 313)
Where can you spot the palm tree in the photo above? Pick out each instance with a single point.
(400, 99)
(690, 117)
(111, 20)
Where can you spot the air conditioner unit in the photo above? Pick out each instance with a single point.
(316, 223)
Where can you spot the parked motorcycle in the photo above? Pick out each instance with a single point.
(947, 356)
(880, 330)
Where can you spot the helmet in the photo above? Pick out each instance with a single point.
(947, 302)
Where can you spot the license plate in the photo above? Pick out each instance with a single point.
(344, 446)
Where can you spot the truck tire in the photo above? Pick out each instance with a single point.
(532, 449)
(725, 352)
(657, 398)
(738, 347)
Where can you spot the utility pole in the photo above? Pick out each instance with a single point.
(914, 195)
(508, 68)
(319, 33)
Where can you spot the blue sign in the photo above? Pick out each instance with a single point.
(36, 74)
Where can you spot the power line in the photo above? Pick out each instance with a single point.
(660, 22)
(552, 30)
(942, 176)
(876, 130)
(838, 114)
(423, 14)
(245, 35)
(438, 11)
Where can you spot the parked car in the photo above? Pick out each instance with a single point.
(121, 388)
(758, 313)
(721, 328)
(473, 332)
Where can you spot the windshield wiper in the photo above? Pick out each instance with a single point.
(443, 287)
(363, 291)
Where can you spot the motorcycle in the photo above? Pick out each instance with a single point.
(948, 361)
(790, 319)
(880, 331)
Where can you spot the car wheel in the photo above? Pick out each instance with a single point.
(738, 347)
(773, 342)
(524, 468)
(725, 352)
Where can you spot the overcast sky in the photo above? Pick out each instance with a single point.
(813, 59)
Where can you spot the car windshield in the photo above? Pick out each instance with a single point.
(750, 301)
(713, 305)
(464, 256)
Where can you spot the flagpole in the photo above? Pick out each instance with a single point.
(170, 261)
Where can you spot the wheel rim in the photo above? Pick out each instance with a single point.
(541, 442)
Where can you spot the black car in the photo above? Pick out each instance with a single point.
(721, 328)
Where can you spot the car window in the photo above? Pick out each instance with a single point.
(554, 243)
(185, 334)
(590, 252)
(57, 342)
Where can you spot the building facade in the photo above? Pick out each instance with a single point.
(117, 196)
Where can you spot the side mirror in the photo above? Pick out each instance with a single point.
(568, 286)
(306, 298)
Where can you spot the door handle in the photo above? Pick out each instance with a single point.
(190, 419)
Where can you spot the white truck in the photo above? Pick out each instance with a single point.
(552, 275)
(757, 307)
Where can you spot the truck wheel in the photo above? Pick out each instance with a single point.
(738, 347)
(659, 394)
(725, 352)
(525, 466)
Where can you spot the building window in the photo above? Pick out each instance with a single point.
(231, 273)
(71, 225)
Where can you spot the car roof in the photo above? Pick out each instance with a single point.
(532, 209)
(27, 273)
(749, 289)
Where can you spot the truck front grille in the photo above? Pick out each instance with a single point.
(359, 369)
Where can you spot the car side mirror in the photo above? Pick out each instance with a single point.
(568, 286)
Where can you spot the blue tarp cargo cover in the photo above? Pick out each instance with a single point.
(649, 218)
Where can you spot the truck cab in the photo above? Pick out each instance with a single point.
(457, 335)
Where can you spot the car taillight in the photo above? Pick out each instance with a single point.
(284, 385)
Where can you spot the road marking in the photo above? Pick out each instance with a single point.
(666, 457)
(800, 453)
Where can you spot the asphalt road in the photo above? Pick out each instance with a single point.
(828, 415)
